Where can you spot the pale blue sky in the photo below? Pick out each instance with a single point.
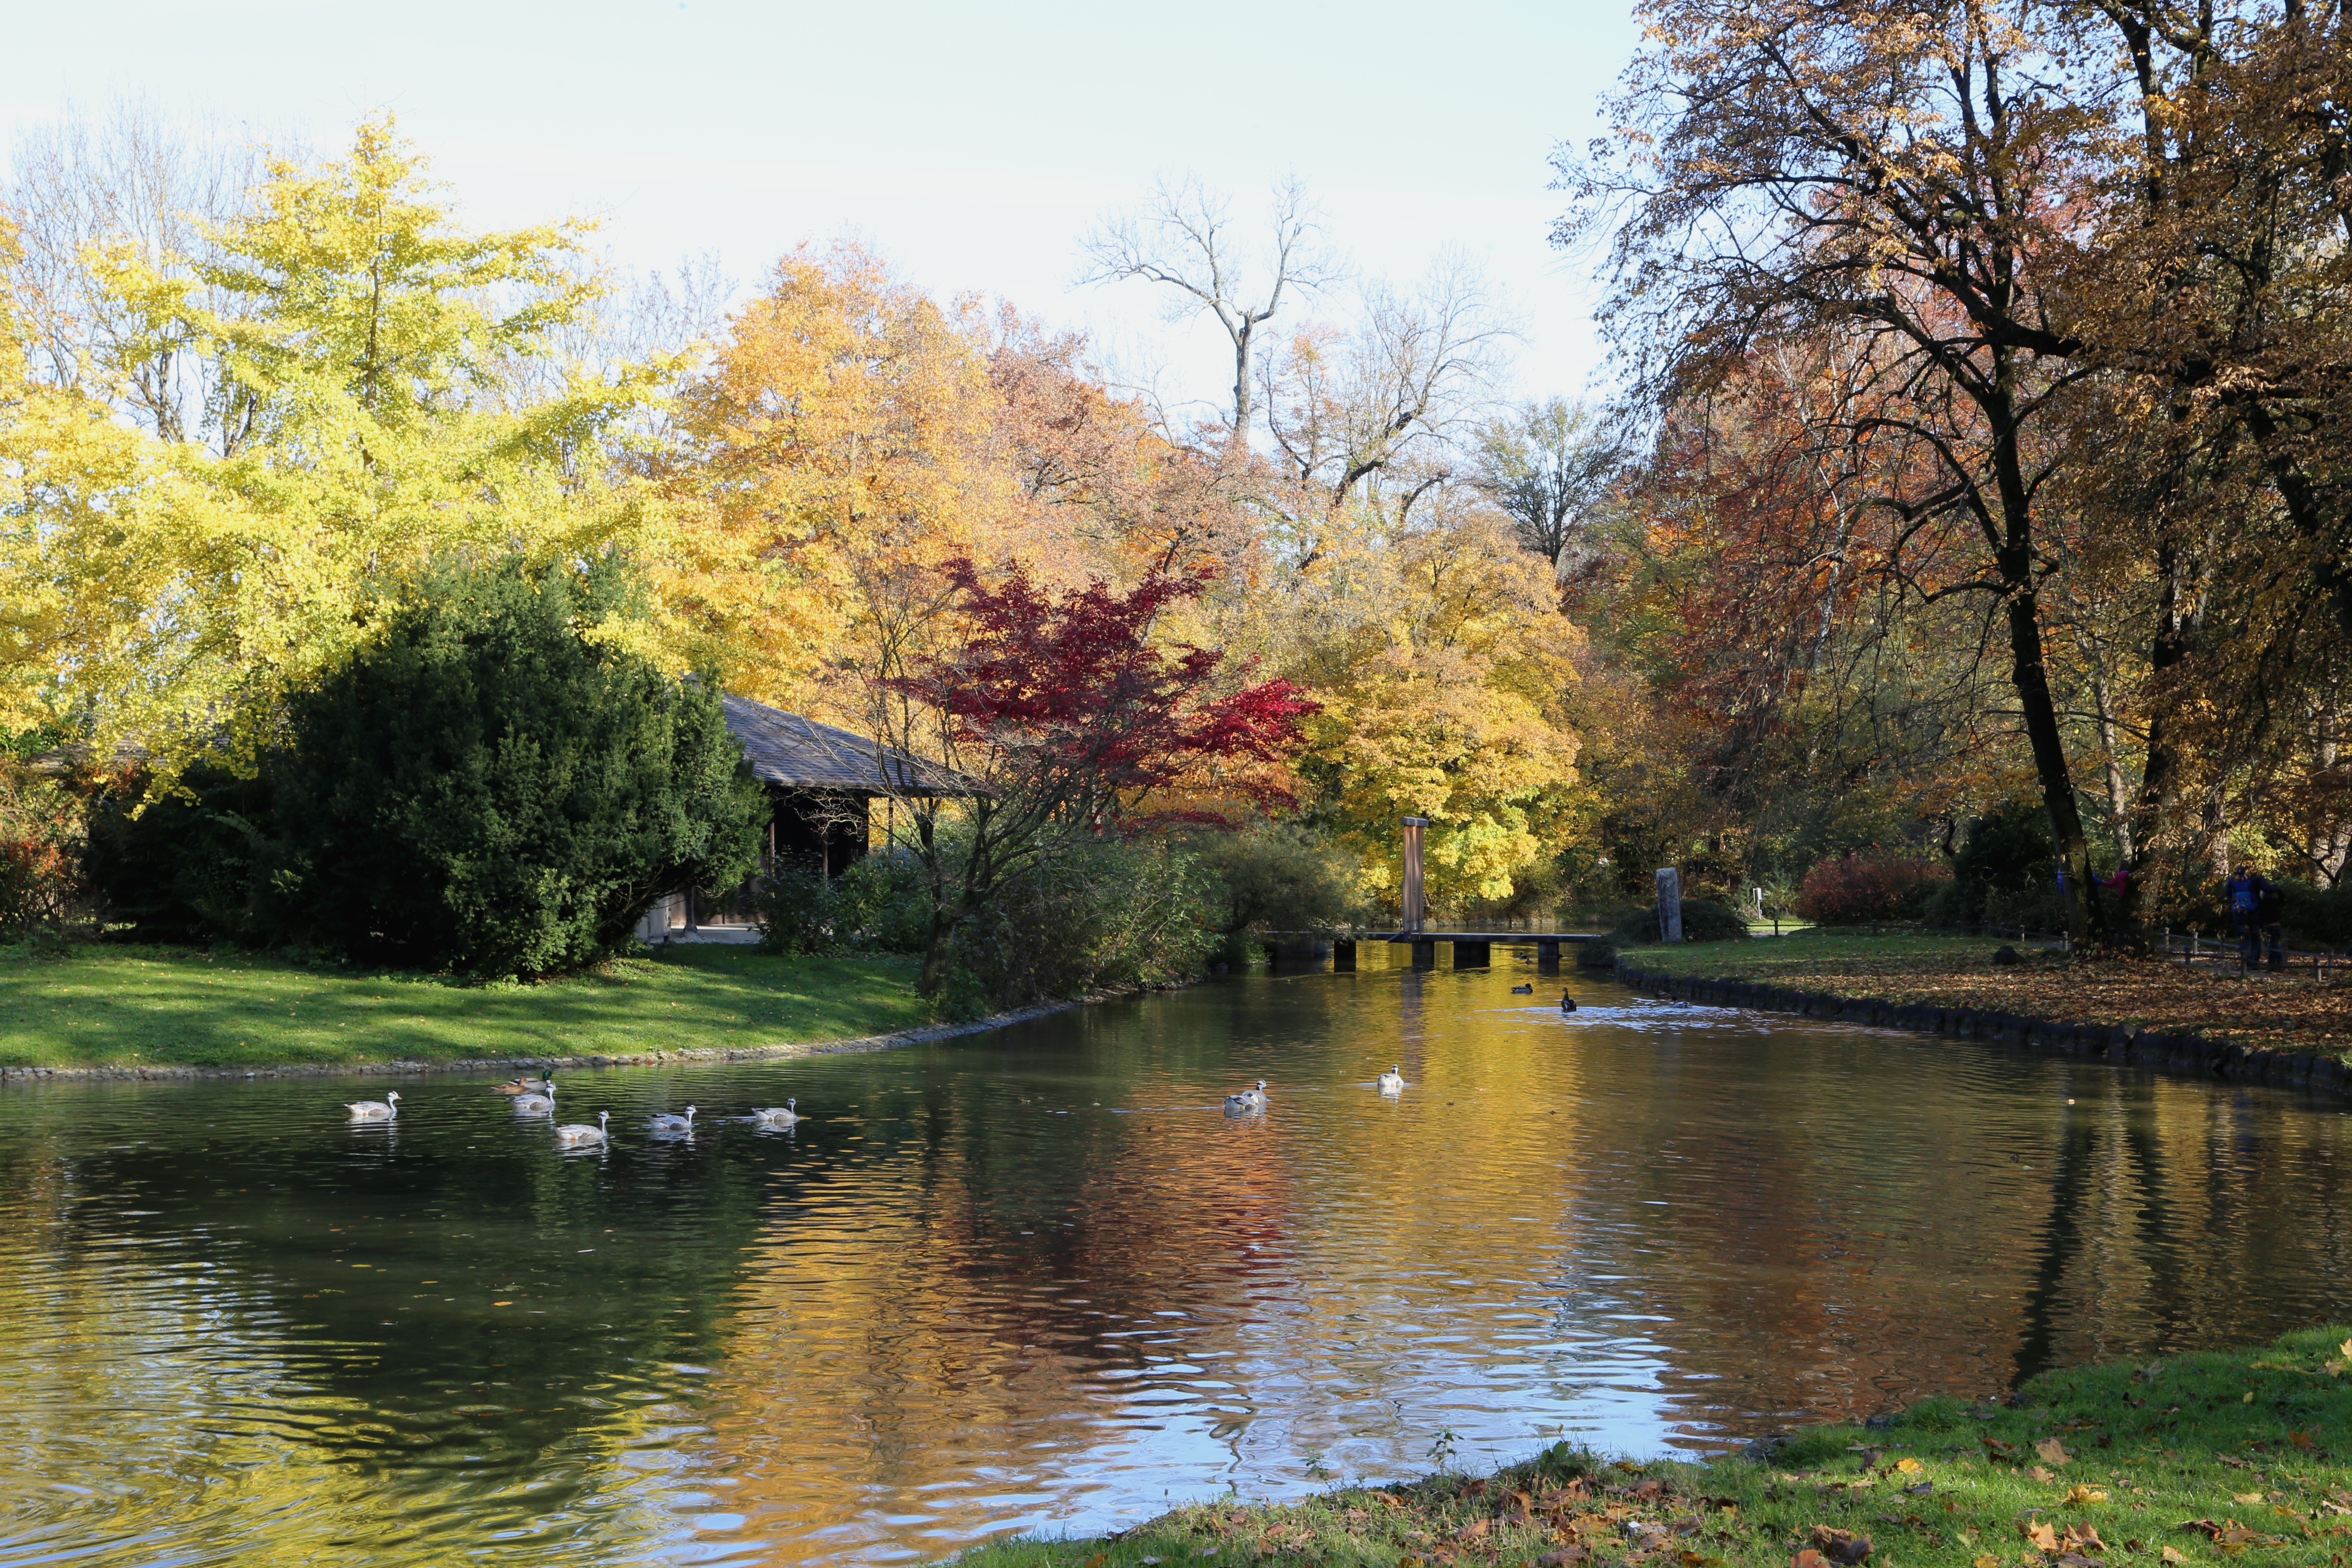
(971, 144)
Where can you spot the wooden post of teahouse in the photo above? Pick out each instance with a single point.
(1670, 904)
(1414, 911)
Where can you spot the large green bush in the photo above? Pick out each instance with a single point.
(1087, 914)
(1704, 920)
(2006, 873)
(192, 865)
(484, 789)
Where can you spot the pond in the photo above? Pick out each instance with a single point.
(1040, 1279)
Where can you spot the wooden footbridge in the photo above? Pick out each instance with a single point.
(1472, 949)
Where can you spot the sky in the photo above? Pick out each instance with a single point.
(972, 145)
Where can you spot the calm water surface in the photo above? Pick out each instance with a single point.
(1039, 1280)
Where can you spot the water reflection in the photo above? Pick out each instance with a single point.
(1041, 1278)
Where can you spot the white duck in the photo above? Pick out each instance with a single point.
(382, 1109)
(784, 1115)
(537, 1104)
(1248, 1098)
(666, 1125)
(581, 1133)
(1392, 1081)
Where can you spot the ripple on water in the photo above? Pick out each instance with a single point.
(1039, 1280)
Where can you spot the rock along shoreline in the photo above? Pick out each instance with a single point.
(11, 1077)
(2117, 1045)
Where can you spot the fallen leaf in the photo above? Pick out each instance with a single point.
(1922, 1489)
(1909, 1467)
(1650, 1488)
(2037, 1473)
(2300, 1439)
(2079, 1495)
(1561, 1558)
(1390, 1499)
(1986, 1560)
(2345, 1349)
(2174, 1554)
(1841, 1546)
(2053, 1451)
(2040, 1535)
(1693, 1560)
(2205, 1525)
(2245, 1496)
(1809, 1558)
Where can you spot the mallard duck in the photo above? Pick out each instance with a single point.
(1248, 1098)
(783, 1115)
(666, 1125)
(537, 1104)
(581, 1133)
(1567, 1003)
(382, 1109)
(1392, 1081)
(1523, 990)
(526, 1085)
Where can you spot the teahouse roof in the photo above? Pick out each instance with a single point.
(787, 749)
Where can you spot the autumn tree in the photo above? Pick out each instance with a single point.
(1548, 465)
(1061, 714)
(1901, 178)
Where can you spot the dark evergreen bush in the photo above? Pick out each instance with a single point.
(189, 866)
(485, 790)
(1704, 920)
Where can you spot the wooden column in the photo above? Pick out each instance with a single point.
(1414, 910)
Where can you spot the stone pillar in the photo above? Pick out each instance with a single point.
(1425, 953)
(1548, 954)
(1414, 910)
(1474, 955)
(1670, 904)
(1343, 957)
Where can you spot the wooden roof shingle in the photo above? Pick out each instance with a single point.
(787, 749)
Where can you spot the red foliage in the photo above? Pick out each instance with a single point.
(1072, 697)
(1852, 889)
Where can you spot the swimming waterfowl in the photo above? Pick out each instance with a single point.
(537, 1104)
(1567, 1003)
(1248, 1098)
(666, 1125)
(382, 1109)
(1392, 1081)
(1523, 990)
(782, 1115)
(581, 1133)
(526, 1085)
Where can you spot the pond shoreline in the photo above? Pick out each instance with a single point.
(2116, 1045)
(10, 1077)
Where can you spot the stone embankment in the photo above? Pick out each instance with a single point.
(2122, 1046)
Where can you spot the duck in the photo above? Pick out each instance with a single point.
(581, 1133)
(1567, 1003)
(382, 1109)
(1392, 1081)
(526, 1085)
(1523, 990)
(783, 1115)
(537, 1104)
(1248, 1098)
(666, 1125)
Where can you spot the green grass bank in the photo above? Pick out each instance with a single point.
(2236, 1457)
(129, 1007)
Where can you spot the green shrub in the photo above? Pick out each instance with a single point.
(1090, 914)
(1704, 920)
(191, 867)
(484, 789)
(42, 827)
(2006, 873)
(1272, 875)
(879, 906)
(794, 908)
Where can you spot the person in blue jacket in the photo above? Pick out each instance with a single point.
(2248, 894)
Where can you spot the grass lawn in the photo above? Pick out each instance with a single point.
(2237, 1456)
(2278, 1012)
(152, 1006)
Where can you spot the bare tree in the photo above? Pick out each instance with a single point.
(1182, 236)
(1547, 465)
(1388, 399)
(123, 180)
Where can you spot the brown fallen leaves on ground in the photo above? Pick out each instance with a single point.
(2279, 1011)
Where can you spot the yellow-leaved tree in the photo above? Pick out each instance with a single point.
(838, 450)
(1447, 677)
(388, 389)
